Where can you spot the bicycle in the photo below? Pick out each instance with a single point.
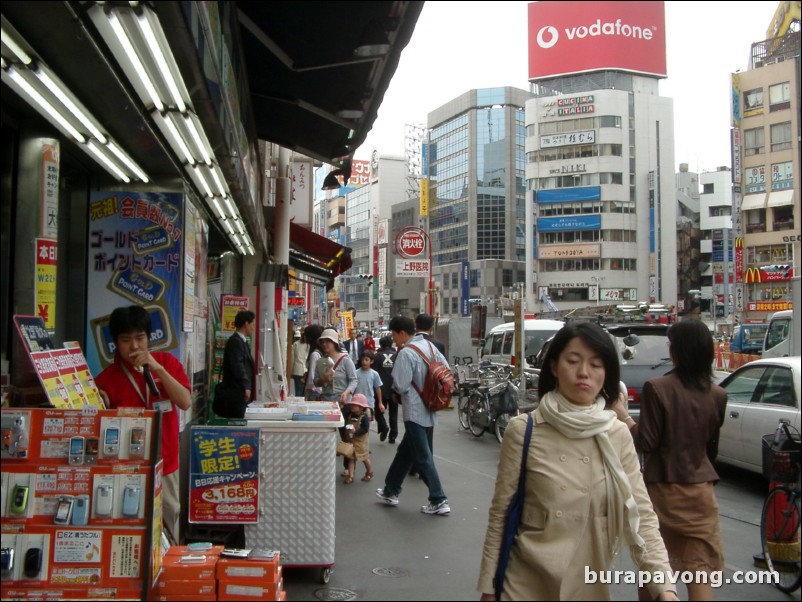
(780, 520)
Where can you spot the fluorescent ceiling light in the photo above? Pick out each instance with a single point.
(196, 137)
(204, 184)
(50, 112)
(180, 146)
(104, 160)
(218, 208)
(158, 54)
(9, 41)
(218, 181)
(133, 57)
(63, 94)
(117, 152)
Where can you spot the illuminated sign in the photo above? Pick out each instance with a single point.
(296, 301)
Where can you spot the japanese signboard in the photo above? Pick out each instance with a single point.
(45, 284)
(224, 475)
(230, 306)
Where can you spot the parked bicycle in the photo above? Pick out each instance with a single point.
(780, 521)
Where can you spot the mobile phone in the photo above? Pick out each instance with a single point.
(7, 563)
(262, 554)
(103, 501)
(64, 510)
(136, 442)
(190, 558)
(235, 552)
(131, 501)
(77, 450)
(111, 441)
(19, 500)
(33, 562)
(80, 510)
(199, 546)
(90, 450)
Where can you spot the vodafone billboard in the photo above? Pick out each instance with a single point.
(576, 37)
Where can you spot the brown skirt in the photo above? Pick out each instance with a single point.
(689, 524)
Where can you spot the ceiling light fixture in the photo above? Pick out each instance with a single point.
(374, 41)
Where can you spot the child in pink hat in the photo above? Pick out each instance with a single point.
(358, 429)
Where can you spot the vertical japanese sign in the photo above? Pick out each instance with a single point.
(45, 283)
(230, 306)
(301, 192)
(50, 175)
(465, 289)
(135, 258)
(224, 475)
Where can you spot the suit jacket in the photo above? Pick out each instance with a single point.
(238, 364)
(437, 344)
(563, 529)
(360, 347)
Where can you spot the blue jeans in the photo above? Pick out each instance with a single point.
(414, 450)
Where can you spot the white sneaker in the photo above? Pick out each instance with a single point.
(390, 500)
(442, 508)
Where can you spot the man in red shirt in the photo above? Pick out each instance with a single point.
(124, 384)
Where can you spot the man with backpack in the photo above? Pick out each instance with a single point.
(417, 366)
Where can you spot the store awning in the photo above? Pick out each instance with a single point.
(316, 255)
(781, 198)
(754, 201)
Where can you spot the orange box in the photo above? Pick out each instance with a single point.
(234, 589)
(182, 550)
(283, 595)
(174, 569)
(244, 569)
(195, 587)
(173, 598)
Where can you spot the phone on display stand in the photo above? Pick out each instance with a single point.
(131, 501)
(64, 510)
(90, 450)
(111, 441)
(80, 510)
(7, 563)
(19, 500)
(103, 501)
(136, 442)
(33, 563)
(77, 450)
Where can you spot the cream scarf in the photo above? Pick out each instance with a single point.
(582, 422)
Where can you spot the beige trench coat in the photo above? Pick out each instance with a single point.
(564, 525)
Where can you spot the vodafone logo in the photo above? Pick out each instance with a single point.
(548, 36)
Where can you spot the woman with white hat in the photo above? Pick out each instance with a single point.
(338, 378)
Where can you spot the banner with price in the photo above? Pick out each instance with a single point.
(224, 475)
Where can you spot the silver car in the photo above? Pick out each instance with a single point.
(759, 394)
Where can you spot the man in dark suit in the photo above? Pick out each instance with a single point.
(354, 347)
(238, 372)
(424, 324)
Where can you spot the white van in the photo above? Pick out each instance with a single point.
(782, 336)
(499, 345)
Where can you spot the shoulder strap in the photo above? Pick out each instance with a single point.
(525, 452)
(425, 359)
(337, 363)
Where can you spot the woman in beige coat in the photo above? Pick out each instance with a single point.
(584, 492)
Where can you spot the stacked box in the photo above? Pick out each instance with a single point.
(249, 579)
(181, 580)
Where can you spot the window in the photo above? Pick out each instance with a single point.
(754, 141)
(780, 96)
(781, 136)
(753, 99)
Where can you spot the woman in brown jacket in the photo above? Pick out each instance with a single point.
(681, 415)
(584, 492)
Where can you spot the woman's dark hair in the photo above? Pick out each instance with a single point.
(312, 334)
(599, 341)
(386, 341)
(691, 349)
(125, 320)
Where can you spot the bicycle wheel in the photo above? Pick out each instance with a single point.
(477, 414)
(462, 410)
(780, 537)
(502, 422)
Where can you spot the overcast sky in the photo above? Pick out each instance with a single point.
(458, 46)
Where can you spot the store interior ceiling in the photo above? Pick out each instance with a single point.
(309, 92)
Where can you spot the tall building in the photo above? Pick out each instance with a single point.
(766, 132)
(600, 156)
(477, 197)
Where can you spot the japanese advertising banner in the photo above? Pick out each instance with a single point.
(135, 258)
(224, 475)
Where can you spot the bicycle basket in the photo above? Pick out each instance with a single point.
(781, 463)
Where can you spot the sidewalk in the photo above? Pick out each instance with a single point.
(437, 557)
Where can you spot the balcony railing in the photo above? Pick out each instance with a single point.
(783, 224)
(752, 228)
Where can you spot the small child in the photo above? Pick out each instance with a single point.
(358, 429)
(369, 383)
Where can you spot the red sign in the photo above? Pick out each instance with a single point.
(596, 36)
(291, 301)
(410, 242)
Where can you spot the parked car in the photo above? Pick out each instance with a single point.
(759, 394)
(499, 345)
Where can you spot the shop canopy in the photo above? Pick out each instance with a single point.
(317, 256)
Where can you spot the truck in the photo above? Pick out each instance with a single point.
(783, 334)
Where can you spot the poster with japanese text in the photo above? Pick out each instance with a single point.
(231, 305)
(224, 475)
(135, 257)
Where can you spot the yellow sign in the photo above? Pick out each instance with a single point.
(231, 306)
(45, 283)
(424, 196)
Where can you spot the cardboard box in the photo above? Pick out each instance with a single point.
(205, 588)
(247, 569)
(174, 569)
(174, 598)
(230, 589)
(182, 550)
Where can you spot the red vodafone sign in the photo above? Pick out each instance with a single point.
(410, 242)
(577, 37)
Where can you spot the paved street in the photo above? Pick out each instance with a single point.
(437, 558)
